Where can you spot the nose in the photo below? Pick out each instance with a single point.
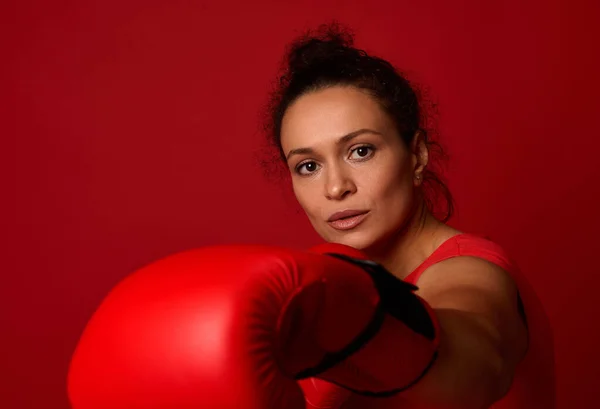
(338, 185)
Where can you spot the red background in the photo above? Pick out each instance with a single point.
(129, 132)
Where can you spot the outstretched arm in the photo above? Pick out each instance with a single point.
(483, 336)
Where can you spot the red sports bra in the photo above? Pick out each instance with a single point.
(464, 245)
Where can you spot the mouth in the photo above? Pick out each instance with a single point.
(347, 220)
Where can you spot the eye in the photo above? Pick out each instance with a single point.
(362, 152)
(309, 167)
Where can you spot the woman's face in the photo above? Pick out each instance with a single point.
(344, 153)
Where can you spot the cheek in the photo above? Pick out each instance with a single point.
(392, 191)
(306, 197)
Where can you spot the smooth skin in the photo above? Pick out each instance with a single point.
(344, 152)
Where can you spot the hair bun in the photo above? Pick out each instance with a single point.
(329, 43)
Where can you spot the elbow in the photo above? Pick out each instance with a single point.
(497, 383)
(502, 369)
(490, 383)
(479, 388)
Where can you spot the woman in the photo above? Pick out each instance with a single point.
(235, 327)
(352, 133)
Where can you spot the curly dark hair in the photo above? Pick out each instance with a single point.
(326, 57)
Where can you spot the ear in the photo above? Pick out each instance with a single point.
(420, 156)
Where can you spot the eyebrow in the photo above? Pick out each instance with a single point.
(342, 140)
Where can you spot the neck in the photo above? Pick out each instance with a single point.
(411, 245)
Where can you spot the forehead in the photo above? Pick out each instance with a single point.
(328, 114)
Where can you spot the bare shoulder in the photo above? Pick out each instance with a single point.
(482, 290)
(464, 270)
(466, 277)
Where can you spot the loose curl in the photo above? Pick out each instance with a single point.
(327, 57)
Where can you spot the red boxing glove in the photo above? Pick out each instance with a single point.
(395, 349)
(236, 326)
(320, 394)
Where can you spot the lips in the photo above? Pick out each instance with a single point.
(345, 214)
(347, 220)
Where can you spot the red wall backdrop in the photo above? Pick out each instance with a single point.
(129, 131)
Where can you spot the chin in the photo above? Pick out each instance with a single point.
(357, 240)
